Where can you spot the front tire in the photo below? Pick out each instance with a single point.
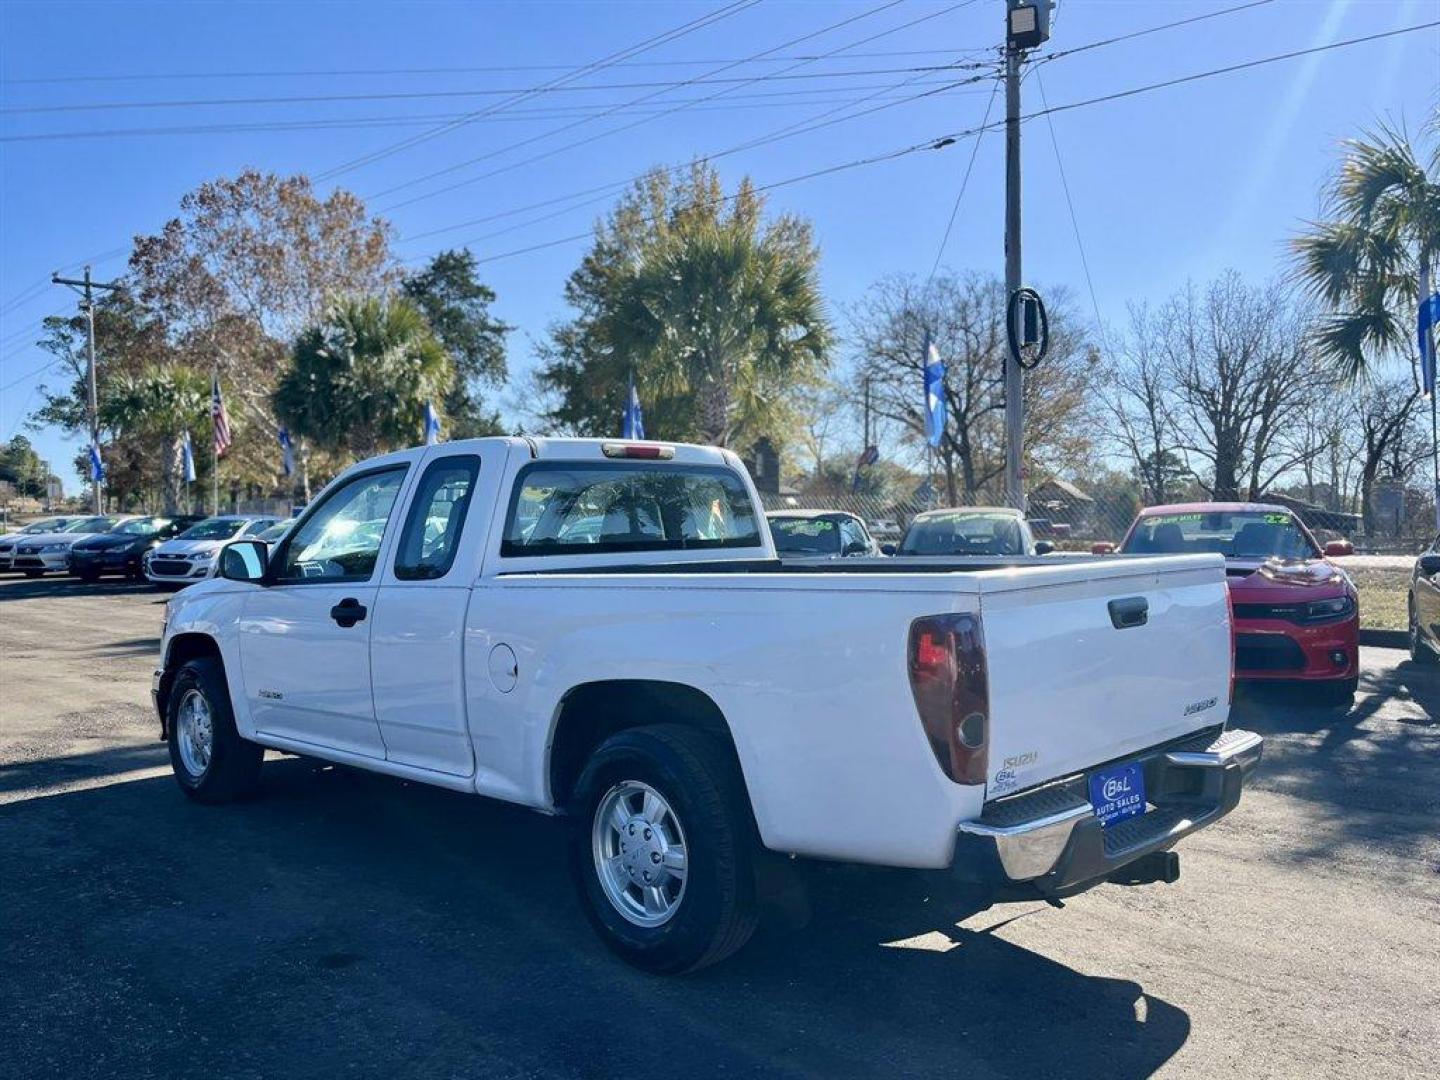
(1420, 652)
(212, 763)
(662, 849)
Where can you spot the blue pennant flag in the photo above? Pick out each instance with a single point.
(934, 394)
(287, 453)
(1427, 318)
(187, 459)
(632, 424)
(432, 424)
(97, 467)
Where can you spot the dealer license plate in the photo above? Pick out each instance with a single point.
(1118, 793)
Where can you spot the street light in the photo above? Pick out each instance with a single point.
(1027, 24)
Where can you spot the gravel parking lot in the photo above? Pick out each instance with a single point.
(351, 925)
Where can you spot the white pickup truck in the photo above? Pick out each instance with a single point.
(602, 629)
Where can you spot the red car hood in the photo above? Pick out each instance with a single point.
(1257, 581)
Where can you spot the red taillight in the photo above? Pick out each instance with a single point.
(650, 451)
(952, 693)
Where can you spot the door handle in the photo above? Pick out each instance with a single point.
(1131, 611)
(348, 612)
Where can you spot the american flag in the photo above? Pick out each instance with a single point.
(220, 417)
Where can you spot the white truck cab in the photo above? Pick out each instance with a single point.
(602, 629)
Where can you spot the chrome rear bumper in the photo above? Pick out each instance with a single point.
(1049, 841)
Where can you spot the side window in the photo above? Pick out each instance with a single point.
(850, 535)
(341, 540)
(437, 515)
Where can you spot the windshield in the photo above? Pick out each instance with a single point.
(43, 526)
(560, 510)
(214, 529)
(141, 526)
(965, 533)
(276, 531)
(91, 525)
(805, 536)
(1236, 534)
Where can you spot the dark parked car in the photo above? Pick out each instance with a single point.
(820, 534)
(121, 550)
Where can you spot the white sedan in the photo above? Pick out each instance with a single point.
(191, 556)
(36, 554)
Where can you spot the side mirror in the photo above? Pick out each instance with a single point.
(1103, 547)
(1339, 547)
(1043, 547)
(244, 560)
(1429, 564)
(856, 547)
(887, 549)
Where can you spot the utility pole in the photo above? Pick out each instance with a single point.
(85, 286)
(1027, 24)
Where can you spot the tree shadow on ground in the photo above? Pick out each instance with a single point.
(349, 923)
(55, 585)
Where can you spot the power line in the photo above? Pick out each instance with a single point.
(598, 65)
(1151, 30)
(418, 95)
(773, 100)
(702, 79)
(814, 123)
(487, 70)
(31, 374)
(1074, 222)
(625, 127)
(964, 183)
(874, 159)
(1228, 69)
(949, 140)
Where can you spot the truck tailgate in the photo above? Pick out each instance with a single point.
(1090, 663)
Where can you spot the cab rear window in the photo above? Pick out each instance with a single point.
(567, 509)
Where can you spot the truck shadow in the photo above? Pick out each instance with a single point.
(1372, 767)
(368, 925)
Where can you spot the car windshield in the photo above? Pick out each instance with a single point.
(214, 529)
(1235, 534)
(91, 525)
(965, 533)
(45, 525)
(141, 526)
(276, 531)
(805, 536)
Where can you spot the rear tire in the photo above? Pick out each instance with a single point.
(212, 763)
(653, 789)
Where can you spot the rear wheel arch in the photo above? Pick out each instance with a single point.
(591, 712)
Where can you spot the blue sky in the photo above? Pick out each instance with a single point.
(1167, 186)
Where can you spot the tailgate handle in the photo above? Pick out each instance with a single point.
(1131, 611)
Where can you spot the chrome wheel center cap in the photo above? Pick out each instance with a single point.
(642, 852)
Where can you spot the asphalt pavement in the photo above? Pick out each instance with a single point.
(349, 925)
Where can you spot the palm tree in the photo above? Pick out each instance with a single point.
(729, 314)
(162, 402)
(360, 380)
(1364, 261)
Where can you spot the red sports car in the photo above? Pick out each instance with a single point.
(1296, 615)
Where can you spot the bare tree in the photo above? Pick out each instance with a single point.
(964, 317)
(1137, 394)
(1238, 359)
